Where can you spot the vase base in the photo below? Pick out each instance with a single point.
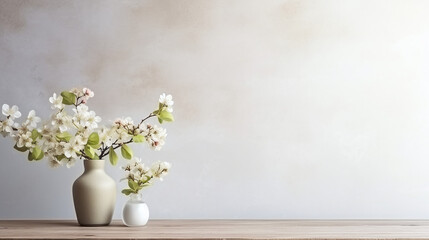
(94, 225)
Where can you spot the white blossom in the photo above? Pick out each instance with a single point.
(81, 140)
(59, 148)
(61, 121)
(71, 149)
(131, 164)
(53, 162)
(47, 130)
(69, 162)
(122, 135)
(92, 120)
(160, 169)
(154, 135)
(80, 115)
(106, 136)
(48, 142)
(167, 100)
(32, 120)
(6, 126)
(126, 123)
(136, 171)
(11, 112)
(78, 92)
(57, 102)
(24, 140)
(87, 92)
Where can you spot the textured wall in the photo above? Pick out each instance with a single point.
(284, 109)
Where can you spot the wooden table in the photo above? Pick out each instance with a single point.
(220, 229)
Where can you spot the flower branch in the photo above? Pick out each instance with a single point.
(68, 136)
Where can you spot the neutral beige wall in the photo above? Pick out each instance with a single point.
(284, 109)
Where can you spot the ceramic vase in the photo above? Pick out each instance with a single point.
(135, 212)
(94, 195)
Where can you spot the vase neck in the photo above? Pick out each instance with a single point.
(93, 164)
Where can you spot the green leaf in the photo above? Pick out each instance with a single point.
(30, 156)
(21, 149)
(133, 185)
(166, 116)
(126, 152)
(60, 157)
(127, 191)
(35, 134)
(139, 138)
(113, 157)
(96, 146)
(64, 136)
(41, 155)
(37, 153)
(89, 151)
(69, 98)
(93, 139)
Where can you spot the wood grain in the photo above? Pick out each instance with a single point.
(220, 229)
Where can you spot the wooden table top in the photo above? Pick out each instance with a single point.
(220, 229)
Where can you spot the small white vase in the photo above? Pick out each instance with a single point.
(135, 212)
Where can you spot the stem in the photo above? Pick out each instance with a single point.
(106, 150)
(74, 124)
(145, 181)
(77, 101)
(76, 104)
(144, 119)
(104, 153)
(84, 155)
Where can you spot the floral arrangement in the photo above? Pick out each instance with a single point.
(140, 176)
(66, 137)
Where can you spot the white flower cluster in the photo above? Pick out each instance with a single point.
(7, 125)
(140, 176)
(167, 101)
(22, 133)
(154, 135)
(66, 137)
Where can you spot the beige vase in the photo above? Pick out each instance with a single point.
(94, 195)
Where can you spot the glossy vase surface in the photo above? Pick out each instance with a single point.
(135, 212)
(94, 195)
